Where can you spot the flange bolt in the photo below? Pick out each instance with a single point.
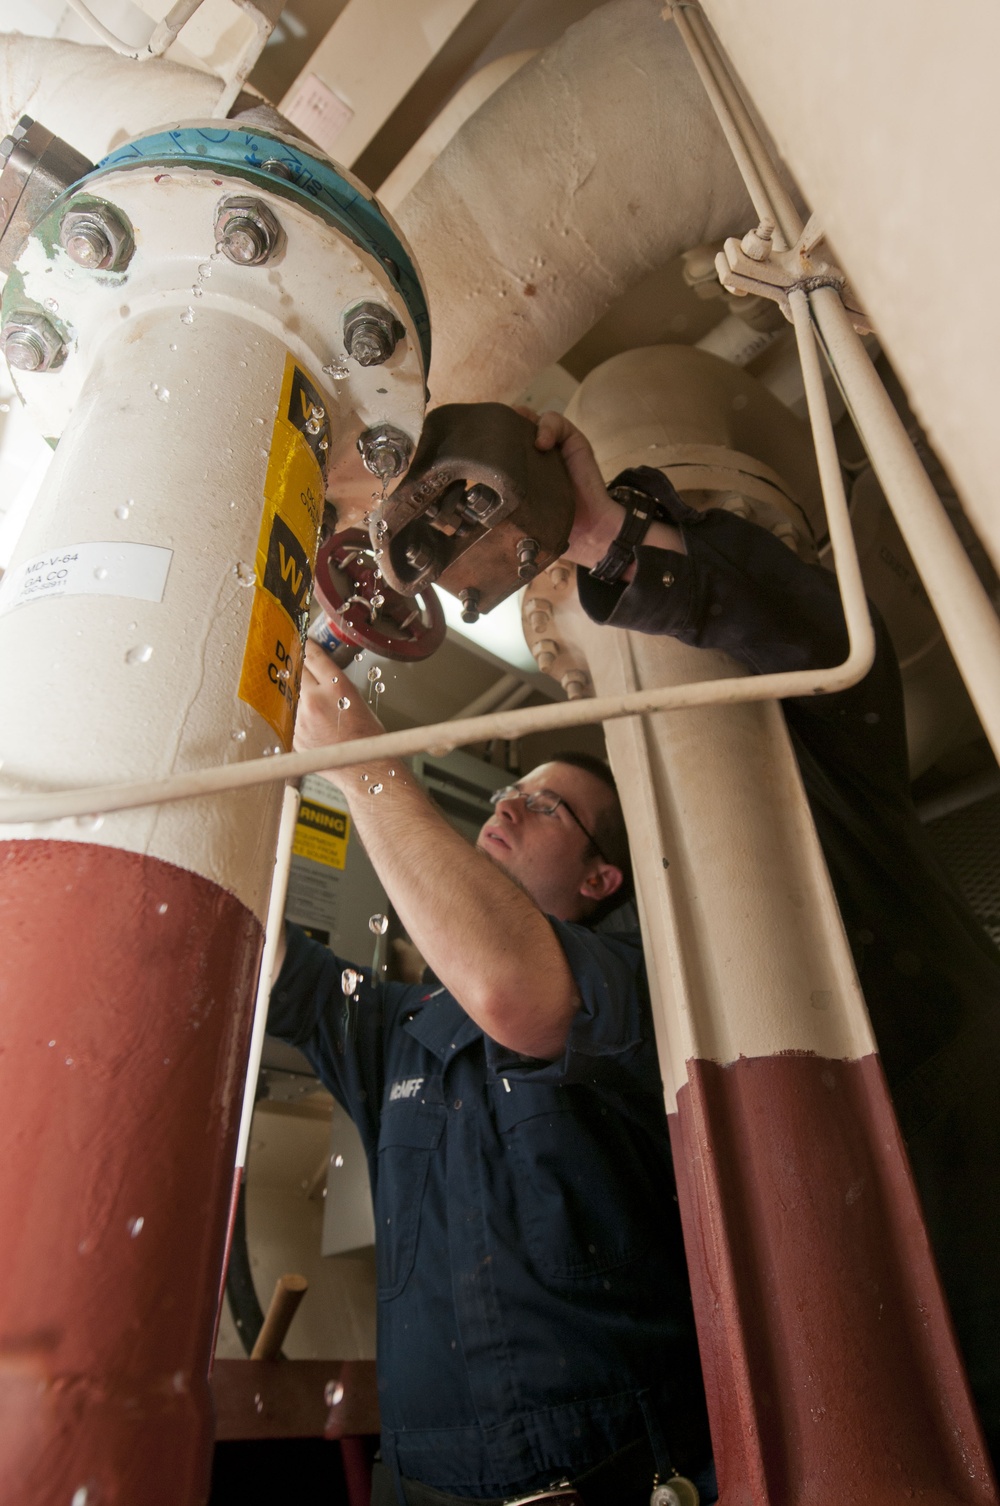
(385, 451)
(419, 554)
(470, 604)
(96, 238)
(31, 343)
(371, 333)
(246, 231)
(527, 559)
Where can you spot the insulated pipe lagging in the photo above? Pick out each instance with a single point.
(597, 162)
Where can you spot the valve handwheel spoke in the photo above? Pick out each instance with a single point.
(400, 627)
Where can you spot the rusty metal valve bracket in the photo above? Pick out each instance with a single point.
(480, 509)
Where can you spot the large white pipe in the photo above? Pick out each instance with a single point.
(887, 115)
(598, 161)
(94, 99)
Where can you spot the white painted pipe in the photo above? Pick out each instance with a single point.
(272, 934)
(887, 116)
(965, 612)
(51, 80)
(598, 161)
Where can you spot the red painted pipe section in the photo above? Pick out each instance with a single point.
(830, 1364)
(126, 999)
(355, 1456)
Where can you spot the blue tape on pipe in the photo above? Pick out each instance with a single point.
(313, 181)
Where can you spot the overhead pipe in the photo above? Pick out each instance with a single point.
(585, 171)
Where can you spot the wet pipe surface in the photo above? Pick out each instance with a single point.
(126, 998)
(826, 1342)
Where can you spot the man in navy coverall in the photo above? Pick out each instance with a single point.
(534, 1319)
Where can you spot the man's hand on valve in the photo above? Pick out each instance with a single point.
(331, 709)
(598, 516)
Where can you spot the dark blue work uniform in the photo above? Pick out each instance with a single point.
(533, 1306)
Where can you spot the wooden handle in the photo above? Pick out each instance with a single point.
(288, 1293)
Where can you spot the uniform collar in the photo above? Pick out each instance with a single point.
(442, 1025)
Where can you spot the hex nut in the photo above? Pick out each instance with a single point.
(371, 333)
(385, 451)
(97, 237)
(31, 342)
(246, 231)
(470, 604)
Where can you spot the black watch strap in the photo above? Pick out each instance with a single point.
(640, 512)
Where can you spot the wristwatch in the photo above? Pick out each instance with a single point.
(640, 512)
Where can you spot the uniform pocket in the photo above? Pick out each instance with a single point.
(586, 1183)
(408, 1137)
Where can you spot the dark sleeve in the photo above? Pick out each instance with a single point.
(343, 1037)
(611, 1035)
(740, 590)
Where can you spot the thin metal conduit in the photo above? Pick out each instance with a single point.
(964, 610)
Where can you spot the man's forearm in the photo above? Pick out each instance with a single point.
(481, 935)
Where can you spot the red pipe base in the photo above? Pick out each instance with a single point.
(126, 998)
(830, 1361)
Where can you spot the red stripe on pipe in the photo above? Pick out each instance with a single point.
(127, 996)
(829, 1357)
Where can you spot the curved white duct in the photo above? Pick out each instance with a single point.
(465, 102)
(94, 99)
(899, 162)
(596, 162)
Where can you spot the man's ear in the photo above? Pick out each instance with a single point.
(603, 880)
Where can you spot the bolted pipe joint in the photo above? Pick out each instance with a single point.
(371, 333)
(31, 342)
(97, 238)
(246, 231)
(385, 451)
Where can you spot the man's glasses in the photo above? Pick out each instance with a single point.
(543, 803)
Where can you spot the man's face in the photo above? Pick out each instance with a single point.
(549, 855)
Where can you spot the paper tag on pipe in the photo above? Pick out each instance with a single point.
(98, 569)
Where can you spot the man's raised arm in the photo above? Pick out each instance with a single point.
(485, 939)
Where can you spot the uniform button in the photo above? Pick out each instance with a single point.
(458, 1103)
(668, 578)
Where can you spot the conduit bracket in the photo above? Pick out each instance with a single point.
(752, 266)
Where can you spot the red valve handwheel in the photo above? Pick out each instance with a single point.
(403, 627)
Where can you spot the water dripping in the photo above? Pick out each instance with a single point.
(173, 345)
(258, 1402)
(122, 511)
(162, 908)
(380, 687)
(239, 736)
(374, 674)
(378, 924)
(378, 600)
(188, 315)
(205, 270)
(349, 980)
(245, 574)
(334, 1393)
(376, 789)
(162, 393)
(52, 305)
(343, 703)
(139, 653)
(196, 291)
(134, 1225)
(358, 657)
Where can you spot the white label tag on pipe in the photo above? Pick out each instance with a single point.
(101, 569)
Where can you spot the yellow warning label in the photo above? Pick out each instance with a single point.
(321, 834)
(286, 548)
